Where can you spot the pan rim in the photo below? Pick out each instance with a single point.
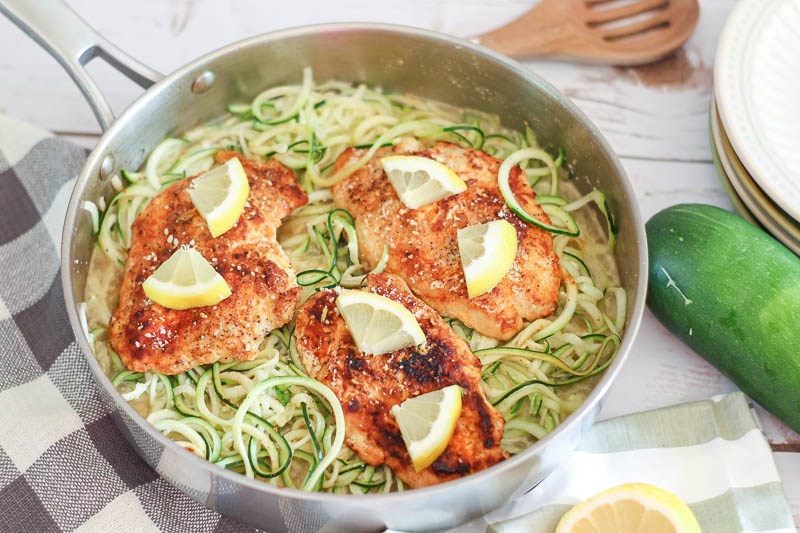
(597, 394)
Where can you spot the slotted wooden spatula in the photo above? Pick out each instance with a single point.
(618, 32)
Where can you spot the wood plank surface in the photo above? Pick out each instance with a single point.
(655, 117)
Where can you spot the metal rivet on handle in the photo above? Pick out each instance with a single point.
(107, 166)
(203, 82)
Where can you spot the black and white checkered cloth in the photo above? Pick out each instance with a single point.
(64, 465)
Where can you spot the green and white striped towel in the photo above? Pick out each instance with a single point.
(711, 454)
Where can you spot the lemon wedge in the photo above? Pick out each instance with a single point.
(629, 509)
(487, 254)
(427, 423)
(186, 280)
(420, 181)
(220, 195)
(377, 324)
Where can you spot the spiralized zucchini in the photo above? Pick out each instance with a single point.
(266, 418)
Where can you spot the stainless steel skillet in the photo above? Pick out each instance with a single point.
(397, 58)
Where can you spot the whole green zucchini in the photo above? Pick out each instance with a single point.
(732, 293)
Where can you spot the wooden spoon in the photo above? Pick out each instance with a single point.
(619, 32)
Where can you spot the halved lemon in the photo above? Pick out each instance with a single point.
(186, 280)
(220, 195)
(630, 508)
(420, 181)
(377, 324)
(427, 423)
(487, 254)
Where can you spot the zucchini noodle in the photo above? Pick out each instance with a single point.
(266, 418)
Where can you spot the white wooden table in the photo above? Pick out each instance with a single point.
(655, 117)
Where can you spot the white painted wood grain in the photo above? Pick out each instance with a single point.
(640, 121)
(660, 131)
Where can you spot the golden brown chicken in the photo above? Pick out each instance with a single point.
(368, 386)
(423, 247)
(148, 336)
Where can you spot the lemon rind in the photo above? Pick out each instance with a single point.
(224, 217)
(452, 185)
(378, 302)
(211, 291)
(489, 270)
(649, 496)
(424, 452)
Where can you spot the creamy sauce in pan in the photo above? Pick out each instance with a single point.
(543, 406)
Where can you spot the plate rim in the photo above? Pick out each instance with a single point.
(744, 27)
(742, 176)
(770, 224)
(738, 204)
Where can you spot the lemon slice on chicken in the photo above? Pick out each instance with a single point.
(427, 423)
(220, 195)
(186, 280)
(630, 508)
(377, 324)
(419, 180)
(487, 254)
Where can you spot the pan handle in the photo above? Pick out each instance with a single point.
(68, 38)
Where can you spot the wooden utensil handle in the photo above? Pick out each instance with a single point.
(580, 31)
(542, 31)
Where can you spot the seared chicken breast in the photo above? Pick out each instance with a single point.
(148, 336)
(368, 386)
(423, 246)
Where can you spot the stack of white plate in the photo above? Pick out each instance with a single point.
(755, 114)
